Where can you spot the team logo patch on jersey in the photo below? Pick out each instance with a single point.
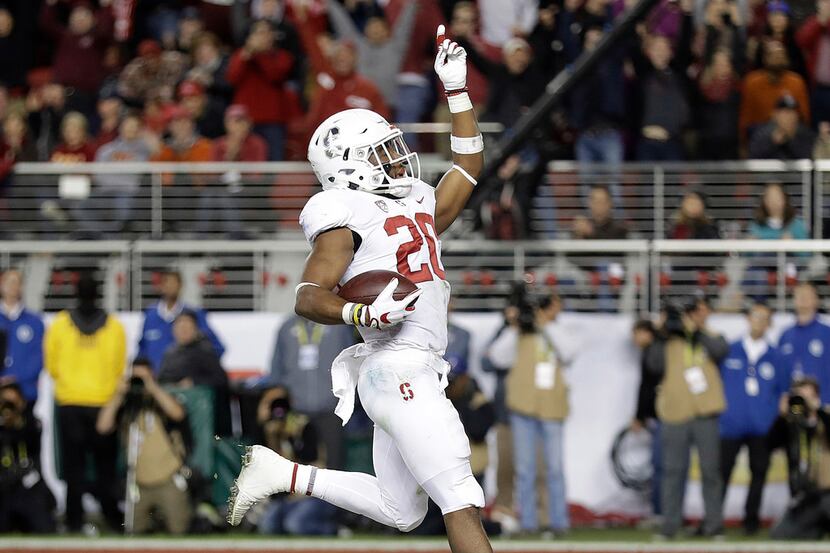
(734, 364)
(816, 347)
(382, 205)
(767, 371)
(25, 334)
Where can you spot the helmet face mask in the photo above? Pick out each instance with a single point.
(358, 149)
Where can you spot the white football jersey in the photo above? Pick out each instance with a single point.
(396, 235)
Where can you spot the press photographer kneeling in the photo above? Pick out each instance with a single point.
(26, 504)
(153, 427)
(808, 455)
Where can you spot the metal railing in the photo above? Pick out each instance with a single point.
(263, 200)
(627, 276)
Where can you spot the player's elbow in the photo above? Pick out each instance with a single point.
(473, 164)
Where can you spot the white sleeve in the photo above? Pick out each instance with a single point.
(322, 213)
(502, 352)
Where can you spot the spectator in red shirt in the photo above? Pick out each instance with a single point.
(81, 48)
(339, 86)
(239, 143)
(75, 146)
(814, 39)
(221, 201)
(258, 71)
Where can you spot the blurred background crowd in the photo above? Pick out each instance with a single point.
(179, 80)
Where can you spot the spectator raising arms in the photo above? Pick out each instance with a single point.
(776, 218)
(380, 51)
(339, 85)
(258, 72)
(81, 47)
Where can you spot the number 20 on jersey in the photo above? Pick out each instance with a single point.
(422, 230)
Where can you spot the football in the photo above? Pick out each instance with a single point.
(365, 287)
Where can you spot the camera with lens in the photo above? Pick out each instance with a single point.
(11, 412)
(134, 398)
(279, 409)
(674, 310)
(521, 298)
(8, 412)
(798, 410)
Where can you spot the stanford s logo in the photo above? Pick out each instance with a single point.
(406, 391)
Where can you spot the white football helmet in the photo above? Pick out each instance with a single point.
(360, 150)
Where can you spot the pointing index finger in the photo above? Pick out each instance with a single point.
(439, 38)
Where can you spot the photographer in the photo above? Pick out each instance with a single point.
(808, 454)
(293, 436)
(537, 397)
(160, 472)
(689, 399)
(26, 504)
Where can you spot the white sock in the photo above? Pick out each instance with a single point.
(354, 491)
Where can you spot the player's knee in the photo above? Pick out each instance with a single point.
(412, 519)
(455, 489)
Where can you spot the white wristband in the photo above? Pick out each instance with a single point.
(459, 102)
(347, 313)
(466, 145)
(467, 175)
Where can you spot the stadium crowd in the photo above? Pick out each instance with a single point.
(249, 81)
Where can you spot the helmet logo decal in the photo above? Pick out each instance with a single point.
(330, 142)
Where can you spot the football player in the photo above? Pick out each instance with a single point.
(375, 213)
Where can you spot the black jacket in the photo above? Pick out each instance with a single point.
(197, 361)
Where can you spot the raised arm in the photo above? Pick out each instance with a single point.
(466, 143)
(342, 22)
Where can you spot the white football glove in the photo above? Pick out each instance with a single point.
(385, 311)
(450, 62)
